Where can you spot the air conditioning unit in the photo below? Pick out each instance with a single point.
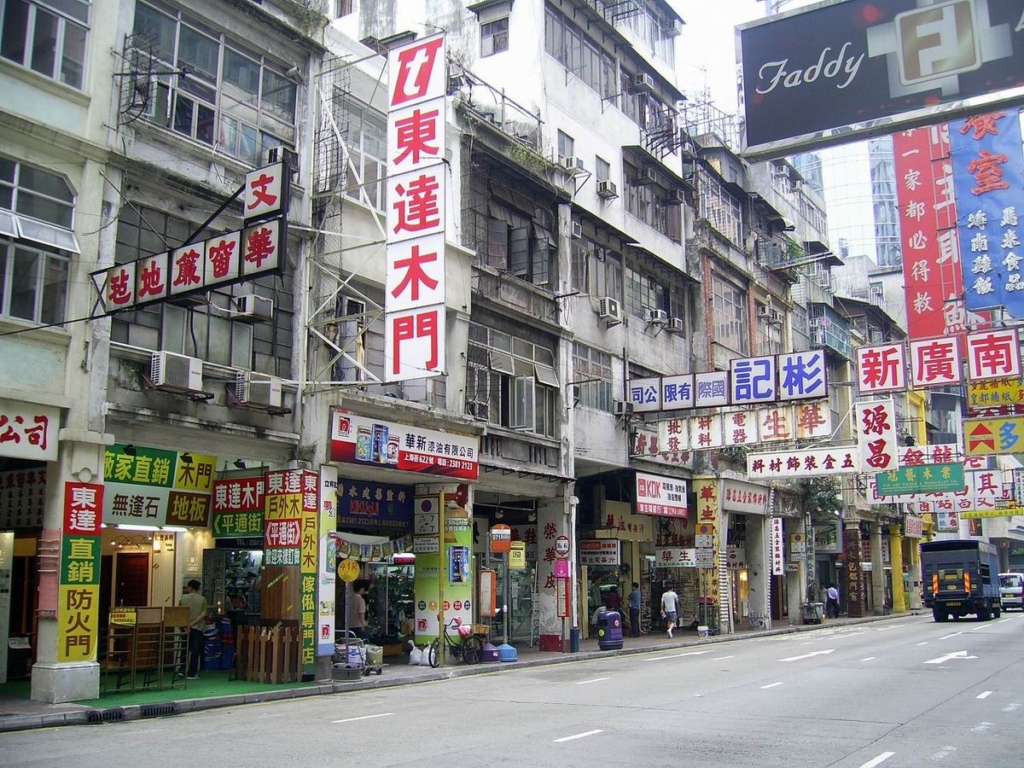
(607, 189)
(254, 309)
(643, 82)
(657, 316)
(573, 164)
(622, 408)
(253, 389)
(675, 325)
(676, 197)
(763, 310)
(167, 369)
(577, 230)
(674, 28)
(609, 309)
(774, 316)
(648, 175)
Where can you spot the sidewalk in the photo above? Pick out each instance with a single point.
(18, 713)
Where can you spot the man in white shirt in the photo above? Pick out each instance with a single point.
(670, 608)
(832, 603)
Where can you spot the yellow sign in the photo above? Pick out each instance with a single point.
(985, 437)
(78, 623)
(348, 570)
(517, 556)
(1008, 512)
(123, 616)
(995, 393)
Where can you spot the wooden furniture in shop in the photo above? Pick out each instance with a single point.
(144, 646)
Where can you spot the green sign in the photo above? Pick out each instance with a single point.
(927, 478)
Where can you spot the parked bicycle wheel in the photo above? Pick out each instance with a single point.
(434, 653)
(472, 649)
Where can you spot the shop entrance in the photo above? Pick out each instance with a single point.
(132, 579)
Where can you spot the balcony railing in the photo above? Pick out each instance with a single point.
(830, 330)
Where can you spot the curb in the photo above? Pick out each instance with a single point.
(104, 715)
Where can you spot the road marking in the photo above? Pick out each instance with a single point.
(845, 635)
(949, 657)
(1011, 707)
(949, 636)
(809, 655)
(878, 760)
(924, 643)
(982, 726)
(677, 655)
(578, 736)
(868, 658)
(595, 680)
(770, 685)
(1003, 621)
(943, 753)
(980, 626)
(364, 717)
(723, 658)
(983, 695)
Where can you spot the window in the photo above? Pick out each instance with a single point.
(602, 169)
(511, 381)
(596, 269)
(592, 374)
(37, 211)
(730, 308)
(493, 37)
(720, 208)
(343, 8)
(365, 132)
(650, 202)
(568, 44)
(232, 98)
(566, 146)
(47, 36)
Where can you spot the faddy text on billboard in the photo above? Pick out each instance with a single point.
(882, 64)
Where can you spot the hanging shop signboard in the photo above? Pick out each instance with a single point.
(746, 498)
(363, 441)
(925, 479)
(778, 547)
(291, 500)
(660, 496)
(987, 437)
(238, 504)
(674, 557)
(591, 552)
(154, 487)
(363, 504)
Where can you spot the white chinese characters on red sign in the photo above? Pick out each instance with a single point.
(875, 424)
(993, 354)
(414, 299)
(664, 496)
(881, 368)
(935, 362)
(83, 508)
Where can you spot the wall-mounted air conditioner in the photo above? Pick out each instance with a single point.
(254, 389)
(657, 316)
(610, 310)
(607, 189)
(643, 82)
(675, 325)
(254, 309)
(573, 164)
(622, 408)
(167, 369)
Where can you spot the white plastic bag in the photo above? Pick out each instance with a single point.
(415, 657)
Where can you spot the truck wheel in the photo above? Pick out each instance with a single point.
(996, 612)
(938, 614)
(984, 614)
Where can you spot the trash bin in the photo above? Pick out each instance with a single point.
(609, 630)
(812, 613)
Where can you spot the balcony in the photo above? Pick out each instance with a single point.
(829, 330)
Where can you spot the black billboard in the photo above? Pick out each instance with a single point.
(813, 77)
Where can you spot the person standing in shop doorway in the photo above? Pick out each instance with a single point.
(670, 608)
(634, 610)
(832, 603)
(196, 605)
(357, 610)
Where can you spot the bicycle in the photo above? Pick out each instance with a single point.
(468, 648)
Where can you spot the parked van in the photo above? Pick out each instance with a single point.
(1011, 590)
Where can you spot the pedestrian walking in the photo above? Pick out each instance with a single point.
(670, 608)
(832, 602)
(634, 610)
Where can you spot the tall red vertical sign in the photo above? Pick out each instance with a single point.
(414, 313)
(931, 253)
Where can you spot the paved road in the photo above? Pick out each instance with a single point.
(905, 692)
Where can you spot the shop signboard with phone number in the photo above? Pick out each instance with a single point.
(359, 440)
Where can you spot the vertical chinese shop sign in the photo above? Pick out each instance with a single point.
(987, 177)
(414, 296)
(78, 622)
(707, 526)
(309, 551)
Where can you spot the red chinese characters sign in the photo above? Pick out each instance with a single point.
(28, 431)
(993, 355)
(414, 299)
(875, 425)
(881, 369)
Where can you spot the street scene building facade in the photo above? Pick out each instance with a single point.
(322, 307)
